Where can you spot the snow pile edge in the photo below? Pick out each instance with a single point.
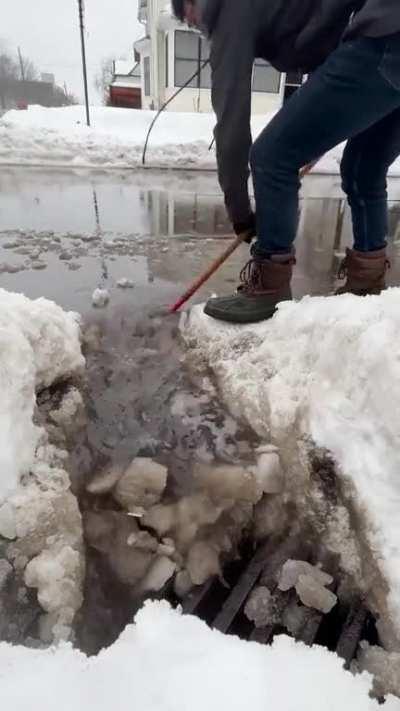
(325, 371)
(162, 662)
(39, 345)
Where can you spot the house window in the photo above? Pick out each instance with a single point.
(191, 51)
(146, 67)
(266, 79)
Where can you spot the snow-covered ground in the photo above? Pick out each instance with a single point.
(60, 137)
(326, 370)
(166, 661)
(39, 517)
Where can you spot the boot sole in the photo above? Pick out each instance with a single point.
(242, 314)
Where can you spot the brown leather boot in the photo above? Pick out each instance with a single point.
(364, 272)
(265, 283)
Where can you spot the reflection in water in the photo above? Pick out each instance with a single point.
(159, 230)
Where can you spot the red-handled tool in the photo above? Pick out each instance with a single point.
(195, 286)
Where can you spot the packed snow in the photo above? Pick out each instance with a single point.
(60, 137)
(39, 516)
(39, 343)
(169, 661)
(325, 371)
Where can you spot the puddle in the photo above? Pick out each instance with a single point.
(68, 233)
(71, 232)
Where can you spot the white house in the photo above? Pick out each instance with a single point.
(170, 53)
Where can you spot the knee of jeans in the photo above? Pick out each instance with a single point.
(261, 155)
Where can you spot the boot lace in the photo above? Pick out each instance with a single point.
(250, 276)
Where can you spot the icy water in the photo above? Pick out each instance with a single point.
(65, 233)
(71, 232)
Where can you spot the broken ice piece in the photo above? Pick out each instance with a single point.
(227, 481)
(182, 584)
(160, 572)
(202, 562)
(313, 594)
(105, 480)
(259, 606)
(167, 547)
(125, 283)
(269, 473)
(292, 570)
(141, 485)
(100, 298)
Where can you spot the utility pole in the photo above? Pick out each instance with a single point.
(85, 81)
(23, 85)
(21, 64)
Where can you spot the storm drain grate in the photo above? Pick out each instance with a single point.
(222, 607)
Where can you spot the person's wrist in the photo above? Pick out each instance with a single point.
(246, 226)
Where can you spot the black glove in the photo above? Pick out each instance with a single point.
(248, 226)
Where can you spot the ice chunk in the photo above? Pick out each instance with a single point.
(292, 570)
(57, 573)
(182, 584)
(160, 518)
(7, 521)
(269, 473)
(38, 266)
(100, 298)
(202, 562)
(183, 518)
(383, 665)
(227, 481)
(105, 480)
(129, 552)
(125, 283)
(142, 484)
(295, 616)
(167, 547)
(259, 607)
(5, 572)
(158, 575)
(313, 594)
(70, 415)
(10, 268)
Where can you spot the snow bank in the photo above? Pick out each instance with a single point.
(167, 661)
(39, 345)
(60, 137)
(326, 369)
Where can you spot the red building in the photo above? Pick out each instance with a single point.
(125, 88)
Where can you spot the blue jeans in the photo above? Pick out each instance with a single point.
(354, 95)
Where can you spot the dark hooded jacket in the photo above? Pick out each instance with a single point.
(291, 35)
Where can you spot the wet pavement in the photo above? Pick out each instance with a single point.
(63, 234)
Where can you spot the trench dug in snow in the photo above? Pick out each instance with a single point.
(285, 430)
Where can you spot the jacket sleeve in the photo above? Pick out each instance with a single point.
(232, 57)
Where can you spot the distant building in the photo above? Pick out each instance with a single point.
(48, 78)
(126, 86)
(170, 53)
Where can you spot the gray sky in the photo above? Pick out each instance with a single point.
(47, 32)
